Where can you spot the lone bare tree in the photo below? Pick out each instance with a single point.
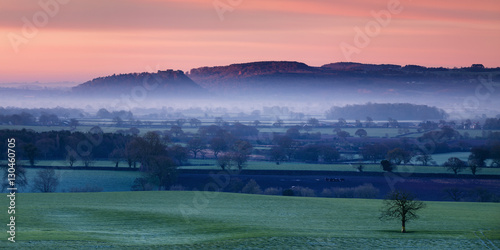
(401, 205)
(46, 181)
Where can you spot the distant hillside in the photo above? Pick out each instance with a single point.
(341, 82)
(353, 79)
(352, 66)
(167, 82)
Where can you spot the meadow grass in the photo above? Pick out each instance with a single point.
(225, 220)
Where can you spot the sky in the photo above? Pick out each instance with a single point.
(78, 40)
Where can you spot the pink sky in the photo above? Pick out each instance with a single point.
(77, 40)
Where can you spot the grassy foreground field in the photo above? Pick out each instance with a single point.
(199, 220)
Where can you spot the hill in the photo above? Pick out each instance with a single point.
(345, 80)
(169, 83)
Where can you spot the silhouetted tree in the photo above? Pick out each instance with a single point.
(116, 156)
(361, 132)
(161, 171)
(30, 151)
(401, 205)
(196, 145)
(399, 155)
(387, 165)
(45, 181)
(424, 158)
(277, 154)
(454, 164)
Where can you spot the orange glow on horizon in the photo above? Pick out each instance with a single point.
(87, 39)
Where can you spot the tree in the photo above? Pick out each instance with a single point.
(241, 151)
(277, 154)
(217, 145)
(401, 205)
(71, 160)
(103, 113)
(343, 134)
(374, 152)
(329, 154)
(293, 132)
(495, 155)
(341, 122)
(369, 122)
(116, 156)
(178, 154)
(118, 121)
(475, 165)
(313, 122)
(31, 151)
(454, 164)
(161, 171)
(477, 158)
(361, 132)
(196, 145)
(21, 179)
(224, 161)
(194, 122)
(424, 158)
(73, 123)
(88, 160)
(399, 155)
(278, 123)
(180, 122)
(45, 181)
(387, 165)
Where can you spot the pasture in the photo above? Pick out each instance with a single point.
(197, 220)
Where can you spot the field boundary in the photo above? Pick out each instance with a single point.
(287, 172)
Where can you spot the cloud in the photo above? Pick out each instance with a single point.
(255, 14)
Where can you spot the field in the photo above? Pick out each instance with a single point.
(160, 220)
(109, 128)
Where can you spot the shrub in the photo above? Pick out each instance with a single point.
(251, 188)
(327, 192)
(273, 191)
(235, 185)
(365, 191)
(141, 184)
(303, 191)
(86, 188)
(288, 192)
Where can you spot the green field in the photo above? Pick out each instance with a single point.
(166, 220)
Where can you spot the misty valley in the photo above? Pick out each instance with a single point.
(346, 131)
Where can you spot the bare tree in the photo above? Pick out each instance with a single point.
(21, 179)
(454, 164)
(88, 160)
(71, 160)
(31, 151)
(401, 205)
(45, 181)
(196, 145)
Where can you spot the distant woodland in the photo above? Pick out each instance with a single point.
(383, 111)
